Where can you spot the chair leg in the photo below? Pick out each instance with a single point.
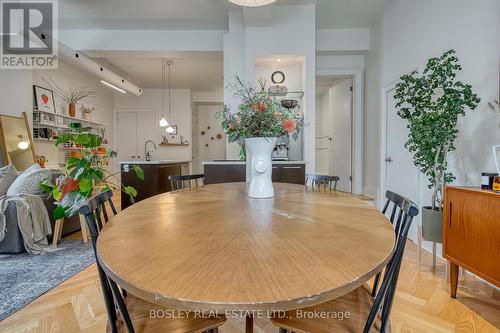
(85, 230)
(108, 300)
(434, 255)
(419, 247)
(282, 330)
(375, 285)
(56, 235)
(121, 306)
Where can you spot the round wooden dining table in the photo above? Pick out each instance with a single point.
(215, 249)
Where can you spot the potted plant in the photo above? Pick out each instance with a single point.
(85, 175)
(71, 96)
(41, 160)
(256, 125)
(86, 112)
(432, 102)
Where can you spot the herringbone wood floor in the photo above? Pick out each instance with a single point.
(422, 304)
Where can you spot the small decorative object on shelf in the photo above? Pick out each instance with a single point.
(257, 124)
(86, 112)
(41, 160)
(289, 103)
(85, 174)
(278, 77)
(71, 96)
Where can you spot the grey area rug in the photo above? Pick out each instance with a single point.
(25, 277)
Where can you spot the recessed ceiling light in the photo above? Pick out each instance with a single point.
(252, 3)
(279, 59)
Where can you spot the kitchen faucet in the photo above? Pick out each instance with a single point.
(147, 153)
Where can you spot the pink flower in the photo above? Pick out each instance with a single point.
(289, 125)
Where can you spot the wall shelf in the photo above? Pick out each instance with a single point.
(174, 144)
(74, 119)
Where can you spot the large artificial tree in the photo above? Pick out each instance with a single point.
(432, 102)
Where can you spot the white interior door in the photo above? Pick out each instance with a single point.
(126, 129)
(195, 142)
(402, 176)
(147, 129)
(341, 158)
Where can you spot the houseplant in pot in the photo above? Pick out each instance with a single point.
(84, 175)
(257, 124)
(71, 96)
(432, 102)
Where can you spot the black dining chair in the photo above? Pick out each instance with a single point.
(133, 310)
(326, 181)
(396, 215)
(367, 313)
(179, 182)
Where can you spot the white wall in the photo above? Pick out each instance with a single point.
(410, 32)
(16, 92)
(181, 116)
(68, 76)
(407, 34)
(216, 149)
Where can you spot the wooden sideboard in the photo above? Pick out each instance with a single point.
(471, 233)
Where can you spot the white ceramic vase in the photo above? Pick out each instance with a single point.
(261, 167)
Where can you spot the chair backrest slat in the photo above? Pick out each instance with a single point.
(179, 182)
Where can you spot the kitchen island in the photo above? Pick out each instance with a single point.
(227, 171)
(155, 177)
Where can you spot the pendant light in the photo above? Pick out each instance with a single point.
(23, 143)
(252, 3)
(169, 129)
(163, 120)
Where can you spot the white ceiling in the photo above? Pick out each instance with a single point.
(200, 14)
(198, 71)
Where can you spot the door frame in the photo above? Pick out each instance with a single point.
(383, 153)
(357, 106)
(115, 127)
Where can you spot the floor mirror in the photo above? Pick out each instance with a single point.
(16, 142)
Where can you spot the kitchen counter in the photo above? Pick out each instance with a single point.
(159, 162)
(156, 175)
(238, 162)
(226, 171)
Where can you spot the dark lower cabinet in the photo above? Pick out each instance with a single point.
(155, 180)
(228, 173)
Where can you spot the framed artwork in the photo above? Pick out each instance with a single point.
(44, 99)
(175, 130)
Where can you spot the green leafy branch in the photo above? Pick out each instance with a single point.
(85, 175)
(432, 102)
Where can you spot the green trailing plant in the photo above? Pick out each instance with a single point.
(85, 175)
(432, 102)
(258, 115)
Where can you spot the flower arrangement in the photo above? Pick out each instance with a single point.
(258, 115)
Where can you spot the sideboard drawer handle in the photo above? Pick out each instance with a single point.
(292, 167)
(451, 210)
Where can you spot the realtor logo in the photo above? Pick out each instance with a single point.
(28, 34)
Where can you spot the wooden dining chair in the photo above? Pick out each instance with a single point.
(134, 312)
(186, 181)
(367, 314)
(327, 181)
